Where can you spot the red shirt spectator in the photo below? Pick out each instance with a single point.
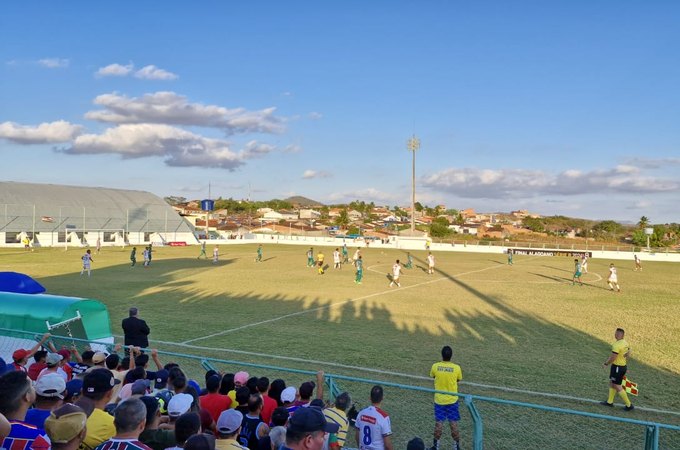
(214, 402)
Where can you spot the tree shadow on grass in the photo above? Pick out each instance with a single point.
(495, 344)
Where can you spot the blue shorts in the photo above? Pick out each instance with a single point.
(446, 412)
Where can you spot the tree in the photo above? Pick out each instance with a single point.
(419, 206)
(325, 210)
(343, 219)
(533, 224)
(440, 227)
(607, 229)
(643, 223)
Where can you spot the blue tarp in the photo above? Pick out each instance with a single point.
(19, 283)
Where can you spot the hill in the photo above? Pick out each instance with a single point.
(304, 202)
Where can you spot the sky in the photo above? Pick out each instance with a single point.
(564, 107)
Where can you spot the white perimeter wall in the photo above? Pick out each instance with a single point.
(405, 243)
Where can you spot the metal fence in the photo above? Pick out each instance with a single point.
(486, 422)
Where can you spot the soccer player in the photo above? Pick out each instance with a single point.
(133, 256)
(373, 425)
(396, 273)
(99, 245)
(509, 257)
(319, 262)
(345, 254)
(618, 360)
(310, 257)
(409, 261)
(584, 263)
(87, 260)
(613, 279)
(359, 264)
(430, 263)
(638, 263)
(146, 254)
(259, 253)
(577, 272)
(216, 255)
(336, 259)
(446, 377)
(356, 256)
(203, 254)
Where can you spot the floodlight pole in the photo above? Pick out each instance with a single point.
(413, 144)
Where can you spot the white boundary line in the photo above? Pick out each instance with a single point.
(331, 305)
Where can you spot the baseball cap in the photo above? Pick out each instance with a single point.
(288, 394)
(74, 387)
(19, 354)
(229, 421)
(50, 385)
(140, 387)
(241, 378)
(52, 359)
(65, 423)
(99, 380)
(161, 380)
(179, 404)
(309, 420)
(99, 357)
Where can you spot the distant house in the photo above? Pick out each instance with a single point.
(309, 214)
(275, 216)
(468, 228)
(354, 215)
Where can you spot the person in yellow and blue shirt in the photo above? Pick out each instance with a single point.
(446, 376)
(619, 364)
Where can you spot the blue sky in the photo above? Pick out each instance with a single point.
(563, 107)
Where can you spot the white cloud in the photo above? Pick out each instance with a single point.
(45, 133)
(315, 115)
(173, 109)
(516, 183)
(311, 174)
(652, 163)
(292, 148)
(641, 204)
(115, 70)
(152, 72)
(367, 195)
(179, 147)
(54, 63)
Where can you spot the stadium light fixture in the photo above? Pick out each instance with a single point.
(413, 144)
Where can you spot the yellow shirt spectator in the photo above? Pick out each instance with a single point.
(446, 377)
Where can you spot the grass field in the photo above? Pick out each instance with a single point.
(523, 326)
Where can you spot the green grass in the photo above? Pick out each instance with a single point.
(523, 327)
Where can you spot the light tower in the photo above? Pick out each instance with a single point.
(413, 144)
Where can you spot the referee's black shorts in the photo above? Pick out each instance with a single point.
(616, 374)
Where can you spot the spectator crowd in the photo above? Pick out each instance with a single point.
(132, 401)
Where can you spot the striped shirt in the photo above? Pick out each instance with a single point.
(24, 436)
(123, 444)
(335, 415)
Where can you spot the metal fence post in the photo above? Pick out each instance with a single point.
(478, 426)
(652, 437)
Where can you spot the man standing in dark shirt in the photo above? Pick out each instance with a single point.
(136, 330)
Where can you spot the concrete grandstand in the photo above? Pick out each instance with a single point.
(51, 215)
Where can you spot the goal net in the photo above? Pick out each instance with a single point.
(93, 237)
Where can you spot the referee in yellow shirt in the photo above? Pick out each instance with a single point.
(618, 360)
(446, 377)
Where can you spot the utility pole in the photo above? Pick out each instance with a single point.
(413, 144)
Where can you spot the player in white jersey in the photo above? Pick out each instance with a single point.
(396, 273)
(373, 425)
(430, 263)
(584, 263)
(638, 263)
(87, 260)
(613, 279)
(336, 259)
(216, 255)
